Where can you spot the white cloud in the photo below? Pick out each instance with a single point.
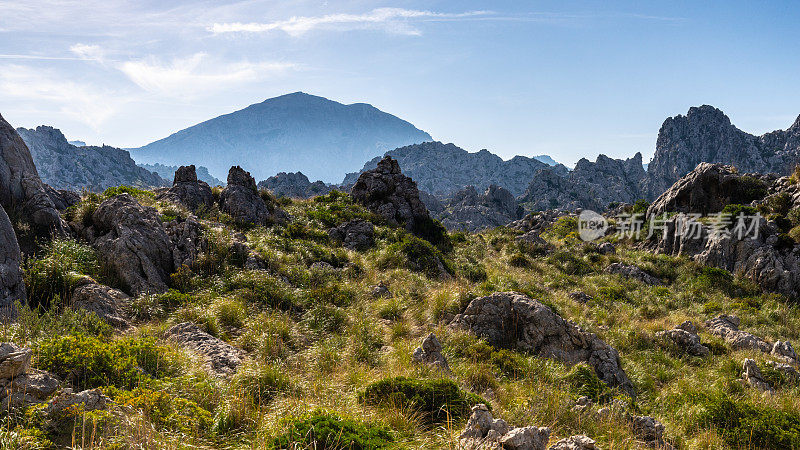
(88, 52)
(391, 20)
(194, 76)
(51, 90)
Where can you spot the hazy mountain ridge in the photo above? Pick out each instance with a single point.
(168, 172)
(323, 138)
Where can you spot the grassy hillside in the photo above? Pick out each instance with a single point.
(321, 346)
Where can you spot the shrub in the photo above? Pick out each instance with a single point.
(438, 400)
(325, 431)
(259, 287)
(473, 271)
(260, 383)
(434, 232)
(519, 260)
(139, 194)
(55, 274)
(640, 206)
(794, 233)
(748, 189)
(777, 204)
(420, 256)
(568, 263)
(731, 214)
(583, 380)
(564, 226)
(89, 362)
(167, 411)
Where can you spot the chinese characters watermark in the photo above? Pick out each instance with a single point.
(592, 226)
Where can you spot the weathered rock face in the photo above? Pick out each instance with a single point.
(66, 166)
(467, 210)
(241, 200)
(707, 189)
(706, 134)
(21, 189)
(442, 169)
(108, 303)
(485, 432)
(512, 320)
(727, 327)
(685, 337)
(356, 234)
(132, 241)
(538, 221)
(187, 240)
(188, 191)
(63, 198)
(577, 442)
(19, 384)
(430, 353)
(632, 272)
(222, 359)
(387, 192)
(751, 374)
(294, 185)
(68, 401)
(592, 185)
(12, 286)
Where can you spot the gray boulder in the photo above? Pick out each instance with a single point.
(69, 402)
(222, 359)
(632, 272)
(14, 360)
(187, 240)
(31, 387)
(241, 200)
(108, 303)
(751, 374)
(294, 185)
(577, 442)
(187, 190)
(648, 429)
(12, 286)
(483, 431)
(430, 353)
(512, 320)
(356, 234)
(469, 211)
(686, 338)
(727, 327)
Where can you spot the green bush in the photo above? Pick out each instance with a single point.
(325, 431)
(583, 380)
(419, 255)
(640, 206)
(260, 383)
(564, 226)
(434, 232)
(167, 411)
(570, 264)
(777, 204)
(437, 400)
(89, 362)
(519, 260)
(259, 287)
(748, 189)
(473, 271)
(741, 423)
(55, 273)
(731, 212)
(139, 194)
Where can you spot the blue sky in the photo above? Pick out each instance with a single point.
(569, 79)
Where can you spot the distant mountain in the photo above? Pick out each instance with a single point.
(65, 166)
(442, 169)
(705, 134)
(78, 143)
(168, 173)
(546, 159)
(323, 138)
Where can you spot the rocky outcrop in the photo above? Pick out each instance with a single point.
(430, 353)
(442, 169)
(686, 338)
(21, 189)
(632, 272)
(188, 240)
(294, 185)
(167, 172)
(751, 375)
(12, 286)
(132, 242)
(483, 431)
(469, 211)
(358, 234)
(222, 359)
(538, 221)
(241, 200)
(707, 189)
(108, 303)
(591, 185)
(706, 134)
(577, 442)
(69, 403)
(66, 166)
(19, 384)
(390, 194)
(727, 327)
(512, 320)
(187, 190)
(649, 430)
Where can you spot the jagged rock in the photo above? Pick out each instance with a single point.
(241, 200)
(512, 320)
(435, 207)
(187, 190)
(531, 237)
(481, 422)
(442, 169)
(538, 221)
(632, 272)
(356, 234)
(707, 189)
(186, 236)
(390, 194)
(580, 297)
(381, 291)
(577, 442)
(14, 360)
(785, 369)
(648, 429)
(582, 404)
(69, 402)
(706, 134)
(752, 375)
(430, 353)
(784, 350)
(108, 303)
(131, 240)
(12, 285)
(21, 189)
(607, 248)
(483, 431)
(467, 210)
(66, 166)
(167, 172)
(222, 359)
(685, 336)
(727, 327)
(34, 386)
(526, 438)
(294, 185)
(63, 198)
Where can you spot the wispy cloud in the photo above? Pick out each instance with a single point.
(88, 52)
(196, 75)
(391, 20)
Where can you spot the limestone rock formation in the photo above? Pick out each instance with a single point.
(356, 234)
(66, 166)
(512, 320)
(12, 286)
(577, 442)
(132, 242)
(222, 359)
(19, 384)
(468, 211)
(186, 236)
(442, 169)
(727, 327)
(648, 429)
(751, 374)
(430, 353)
(483, 431)
(632, 272)
(108, 303)
(390, 194)
(686, 338)
(168, 172)
(68, 401)
(241, 200)
(21, 189)
(294, 185)
(187, 190)
(538, 221)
